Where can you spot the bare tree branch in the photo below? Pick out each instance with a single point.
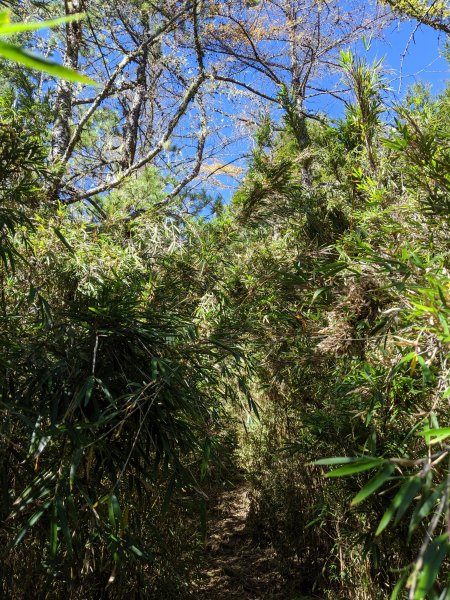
(188, 97)
(109, 84)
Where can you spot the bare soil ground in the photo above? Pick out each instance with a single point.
(236, 566)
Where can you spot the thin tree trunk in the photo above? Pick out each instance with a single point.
(64, 93)
(131, 127)
(298, 85)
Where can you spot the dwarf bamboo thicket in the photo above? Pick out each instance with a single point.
(159, 344)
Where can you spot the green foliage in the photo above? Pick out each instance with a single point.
(434, 14)
(362, 119)
(114, 391)
(423, 139)
(352, 344)
(22, 156)
(145, 353)
(20, 55)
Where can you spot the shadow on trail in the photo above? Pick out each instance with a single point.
(237, 567)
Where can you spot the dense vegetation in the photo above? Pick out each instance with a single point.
(159, 345)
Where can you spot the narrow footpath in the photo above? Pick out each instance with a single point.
(237, 568)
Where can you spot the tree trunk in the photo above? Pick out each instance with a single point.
(131, 127)
(299, 80)
(64, 93)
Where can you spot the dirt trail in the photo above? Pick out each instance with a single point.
(237, 568)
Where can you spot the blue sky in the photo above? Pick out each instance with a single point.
(411, 54)
(423, 60)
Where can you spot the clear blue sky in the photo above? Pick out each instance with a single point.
(423, 60)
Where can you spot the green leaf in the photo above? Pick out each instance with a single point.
(395, 143)
(35, 490)
(54, 532)
(432, 560)
(408, 357)
(85, 392)
(375, 483)
(77, 455)
(398, 587)
(355, 468)
(411, 491)
(29, 524)
(426, 372)
(205, 459)
(423, 308)
(135, 550)
(440, 434)
(423, 510)
(105, 390)
(33, 61)
(400, 502)
(63, 240)
(114, 511)
(63, 523)
(8, 28)
(318, 293)
(388, 515)
(116, 507)
(341, 460)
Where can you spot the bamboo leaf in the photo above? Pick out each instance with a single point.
(116, 507)
(408, 357)
(341, 460)
(398, 587)
(432, 560)
(318, 293)
(63, 523)
(423, 510)
(355, 468)
(412, 490)
(401, 501)
(374, 484)
(33, 491)
(29, 524)
(74, 464)
(54, 532)
(33, 61)
(8, 28)
(135, 550)
(114, 511)
(426, 372)
(439, 434)
(63, 240)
